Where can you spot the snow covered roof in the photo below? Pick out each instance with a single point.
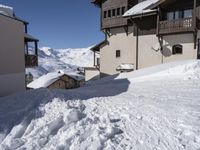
(29, 37)
(125, 67)
(46, 80)
(6, 10)
(141, 8)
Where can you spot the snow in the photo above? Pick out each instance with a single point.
(153, 108)
(69, 60)
(126, 67)
(46, 80)
(6, 10)
(140, 8)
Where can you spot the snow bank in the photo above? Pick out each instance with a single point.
(189, 69)
(116, 114)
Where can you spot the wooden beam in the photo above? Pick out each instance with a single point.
(94, 59)
(195, 23)
(158, 22)
(126, 29)
(36, 48)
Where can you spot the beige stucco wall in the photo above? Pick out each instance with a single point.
(186, 40)
(91, 74)
(149, 50)
(149, 53)
(117, 41)
(12, 63)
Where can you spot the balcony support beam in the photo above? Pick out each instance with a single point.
(36, 48)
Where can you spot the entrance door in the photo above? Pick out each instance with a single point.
(198, 50)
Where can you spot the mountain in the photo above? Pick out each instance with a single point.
(51, 60)
(154, 108)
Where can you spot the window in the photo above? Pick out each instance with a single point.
(109, 13)
(98, 61)
(177, 49)
(113, 12)
(188, 13)
(123, 10)
(105, 14)
(118, 11)
(170, 16)
(118, 53)
(173, 15)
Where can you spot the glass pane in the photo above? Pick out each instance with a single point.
(113, 13)
(170, 16)
(176, 15)
(188, 13)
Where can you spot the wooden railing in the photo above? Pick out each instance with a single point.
(31, 60)
(176, 26)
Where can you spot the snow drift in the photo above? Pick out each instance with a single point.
(154, 108)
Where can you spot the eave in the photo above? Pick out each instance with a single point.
(97, 47)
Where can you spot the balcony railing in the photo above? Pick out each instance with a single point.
(31, 61)
(176, 26)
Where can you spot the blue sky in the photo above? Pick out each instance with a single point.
(60, 23)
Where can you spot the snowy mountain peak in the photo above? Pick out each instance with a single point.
(68, 60)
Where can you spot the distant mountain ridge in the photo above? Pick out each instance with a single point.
(69, 60)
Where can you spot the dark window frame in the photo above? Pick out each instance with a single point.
(177, 49)
(113, 12)
(123, 10)
(105, 13)
(109, 14)
(118, 11)
(118, 53)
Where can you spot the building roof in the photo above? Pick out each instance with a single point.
(98, 46)
(142, 8)
(30, 38)
(48, 79)
(8, 11)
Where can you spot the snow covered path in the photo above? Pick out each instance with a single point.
(121, 114)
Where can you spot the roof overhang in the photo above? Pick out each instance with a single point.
(15, 18)
(147, 11)
(29, 38)
(144, 14)
(97, 47)
(97, 2)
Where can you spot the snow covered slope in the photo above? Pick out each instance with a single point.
(51, 60)
(152, 109)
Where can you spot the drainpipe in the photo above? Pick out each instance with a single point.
(94, 58)
(137, 42)
(194, 23)
(137, 47)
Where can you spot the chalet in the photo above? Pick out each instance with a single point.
(15, 55)
(57, 80)
(146, 33)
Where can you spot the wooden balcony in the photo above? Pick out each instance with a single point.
(176, 26)
(31, 61)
